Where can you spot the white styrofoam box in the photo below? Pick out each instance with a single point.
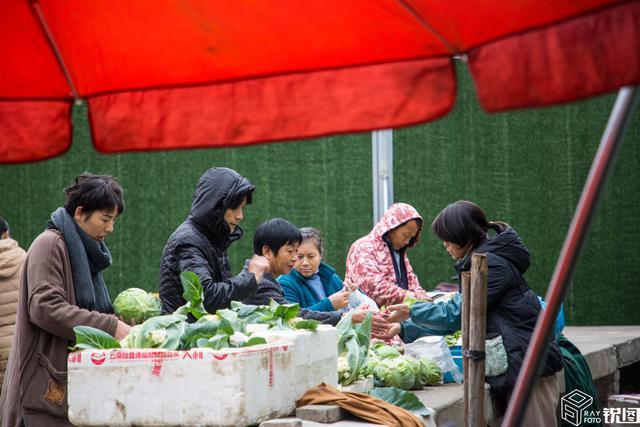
(200, 387)
(315, 358)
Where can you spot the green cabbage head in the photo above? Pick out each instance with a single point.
(136, 305)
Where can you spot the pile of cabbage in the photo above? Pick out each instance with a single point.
(390, 368)
(225, 328)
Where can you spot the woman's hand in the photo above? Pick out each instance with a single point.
(379, 325)
(339, 299)
(358, 316)
(387, 333)
(398, 313)
(122, 330)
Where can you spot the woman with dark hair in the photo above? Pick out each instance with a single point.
(512, 308)
(61, 287)
(200, 244)
(377, 263)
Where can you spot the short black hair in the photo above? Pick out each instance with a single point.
(4, 226)
(275, 233)
(460, 223)
(94, 193)
(240, 197)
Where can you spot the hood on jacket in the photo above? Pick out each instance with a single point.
(394, 217)
(507, 245)
(215, 191)
(11, 257)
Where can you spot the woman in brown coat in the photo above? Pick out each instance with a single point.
(11, 258)
(61, 287)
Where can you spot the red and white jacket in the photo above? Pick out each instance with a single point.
(370, 263)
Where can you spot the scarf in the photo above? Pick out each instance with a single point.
(88, 258)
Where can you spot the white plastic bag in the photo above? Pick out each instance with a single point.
(357, 300)
(435, 348)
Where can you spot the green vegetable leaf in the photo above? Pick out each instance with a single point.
(304, 324)
(88, 338)
(401, 398)
(255, 341)
(193, 294)
(216, 342)
(205, 327)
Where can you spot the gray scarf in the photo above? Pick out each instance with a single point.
(88, 258)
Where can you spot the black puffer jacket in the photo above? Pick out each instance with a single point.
(270, 289)
(512, 308)
(200, 245)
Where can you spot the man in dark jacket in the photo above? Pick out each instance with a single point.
(200, 244)
(278, 240)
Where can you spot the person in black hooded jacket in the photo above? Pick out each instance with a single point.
(200, 244)
(512, 308)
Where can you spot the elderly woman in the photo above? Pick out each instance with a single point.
(377, 263)
(315, 285)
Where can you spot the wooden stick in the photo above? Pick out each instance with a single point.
(477, 334)
(465, 290)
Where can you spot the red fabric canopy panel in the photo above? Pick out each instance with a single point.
(169, 74)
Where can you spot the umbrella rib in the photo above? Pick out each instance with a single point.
(56, 50)
(430, 28)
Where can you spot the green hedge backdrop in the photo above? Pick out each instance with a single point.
(526, 168)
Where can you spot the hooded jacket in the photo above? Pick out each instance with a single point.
(370, 264)
(200, 245)
(512, 308)
(11, 259)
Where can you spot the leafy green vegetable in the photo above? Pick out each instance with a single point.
(395, 372)
(299, 323)
(401, 398)
(353, 346)
(452, 339)
(216, 342)
(430, 372)
(88, 338)
(384, 351)
(161, 332)
(136, 305)
(193, 294)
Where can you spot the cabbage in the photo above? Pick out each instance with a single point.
(136, 305)
(430, 372)
(385, 351)
(395, 372)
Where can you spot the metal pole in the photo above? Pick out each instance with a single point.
(603, 163)
(382, 164)
(56, 51)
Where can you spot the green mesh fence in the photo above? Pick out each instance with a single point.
(526, 168)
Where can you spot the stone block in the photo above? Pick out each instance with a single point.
(320, 413)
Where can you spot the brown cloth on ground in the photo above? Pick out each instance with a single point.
(361, 405)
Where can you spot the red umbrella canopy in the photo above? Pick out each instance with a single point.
(167, 74)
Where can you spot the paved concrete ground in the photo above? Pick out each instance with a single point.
(606, 349)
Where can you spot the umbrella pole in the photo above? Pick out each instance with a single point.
(601, 168)
(56, 50)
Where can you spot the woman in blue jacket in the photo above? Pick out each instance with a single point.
(314, 284)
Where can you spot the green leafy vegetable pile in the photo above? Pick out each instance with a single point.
(392, 369)
(227, 328)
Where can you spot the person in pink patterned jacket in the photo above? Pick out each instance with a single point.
(377, 263)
